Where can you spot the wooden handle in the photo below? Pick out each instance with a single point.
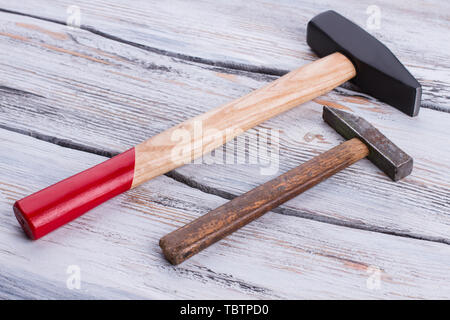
(64, 201)
(156, 156)
(215, 225)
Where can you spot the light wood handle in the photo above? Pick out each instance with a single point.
(215, 225)
(156, 156)
(52, 207)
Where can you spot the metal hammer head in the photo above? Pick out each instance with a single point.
(385, 154)
(378, 71)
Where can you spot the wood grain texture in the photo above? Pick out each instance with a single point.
(190, 239)
(156, 155)
(140, 94)
(116, 246)
(265, 35)
(134, 90)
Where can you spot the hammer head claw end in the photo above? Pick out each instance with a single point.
(382, 152)
(378, 71)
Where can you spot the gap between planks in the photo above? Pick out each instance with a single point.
(211, 190)
(65, 143)
(271, 258)
(222, 64)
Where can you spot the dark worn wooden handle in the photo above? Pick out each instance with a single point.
(183, 243)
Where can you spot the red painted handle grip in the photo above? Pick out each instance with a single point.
(58, 204)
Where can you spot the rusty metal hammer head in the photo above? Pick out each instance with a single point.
(382, 152)
(378, 71)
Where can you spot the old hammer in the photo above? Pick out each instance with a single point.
(348, 53)
(364, 141)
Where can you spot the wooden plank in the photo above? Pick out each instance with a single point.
(116, 248)
(130, 94)
(262, 35)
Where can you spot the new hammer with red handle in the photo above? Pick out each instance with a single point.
(348, 53)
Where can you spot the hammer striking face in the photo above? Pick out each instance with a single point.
(382, 151)
(378, 71)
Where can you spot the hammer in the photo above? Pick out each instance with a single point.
(348, 53)
(364, 141)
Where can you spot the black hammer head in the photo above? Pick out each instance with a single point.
(385, 154)
(378, 71)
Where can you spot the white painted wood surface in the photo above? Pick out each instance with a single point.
(321, 243)
(58, 99)
(269, 36)
(116, 246)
